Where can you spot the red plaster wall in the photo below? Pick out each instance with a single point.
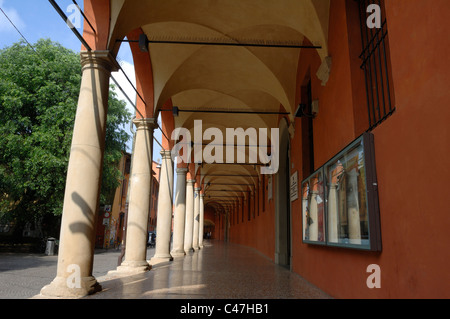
(412, 152)
(98, 13)
(144, 77)
(209, 215)
(259, 231)
(333, 270)
(412, 156)
(167, 126)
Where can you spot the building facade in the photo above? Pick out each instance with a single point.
(351, 172)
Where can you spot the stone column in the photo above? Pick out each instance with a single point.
(354, 225)
(202, 221)
(304, 208)
(333, 214)
(196, 219)
(314, 218)
(179, 218)
(77, 238)
(139, 199)
(165, 203)
(189, 225)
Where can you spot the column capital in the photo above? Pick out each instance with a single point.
(145, 124)
(99, 59)
(202, 195)
(191, 181)
(182, 170)
(198, 189)
(165, 154)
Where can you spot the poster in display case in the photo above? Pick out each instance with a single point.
(347, 189)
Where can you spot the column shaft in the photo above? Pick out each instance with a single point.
(76, 251)
(202, 221)
(179, 218)
(189, 225)
(333, 227)
(165, 203)
(139, 198)
(196, 219)
(314, 220)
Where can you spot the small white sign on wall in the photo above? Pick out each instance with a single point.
(294, 186)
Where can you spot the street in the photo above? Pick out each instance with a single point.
(22, 276)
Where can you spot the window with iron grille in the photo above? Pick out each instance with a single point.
(376, 62)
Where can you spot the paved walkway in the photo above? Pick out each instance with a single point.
(22, 276)
(218, 271)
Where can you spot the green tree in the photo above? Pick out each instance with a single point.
(38, 97)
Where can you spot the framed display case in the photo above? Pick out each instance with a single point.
(347, 189)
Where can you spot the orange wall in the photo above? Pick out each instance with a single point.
(144, 77)
(339, 272)
(98, 14)
(412, 156)
(259, 231)
(209, 215)
(412, 152)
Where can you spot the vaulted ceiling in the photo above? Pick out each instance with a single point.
(223, 77)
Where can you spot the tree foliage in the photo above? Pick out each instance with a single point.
(39, 91)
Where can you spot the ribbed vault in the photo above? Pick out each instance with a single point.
(230, 79)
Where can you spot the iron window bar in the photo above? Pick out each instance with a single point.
(376, 68)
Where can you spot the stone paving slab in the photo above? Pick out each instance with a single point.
(22, 276)
(218, 271)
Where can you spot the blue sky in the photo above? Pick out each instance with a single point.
(37, 19)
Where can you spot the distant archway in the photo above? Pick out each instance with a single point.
(208, 229)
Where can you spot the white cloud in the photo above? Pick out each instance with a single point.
(119, 76)
(121, 79)
(5, 25)
(129, 90)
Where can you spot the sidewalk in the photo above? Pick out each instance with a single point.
(22, 276)
(218, 271)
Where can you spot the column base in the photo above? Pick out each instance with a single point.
(158, 260)
(177, 253)
(132, 267)
(59, 288)
(162, 257)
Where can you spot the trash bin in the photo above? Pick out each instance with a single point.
(50, 247)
